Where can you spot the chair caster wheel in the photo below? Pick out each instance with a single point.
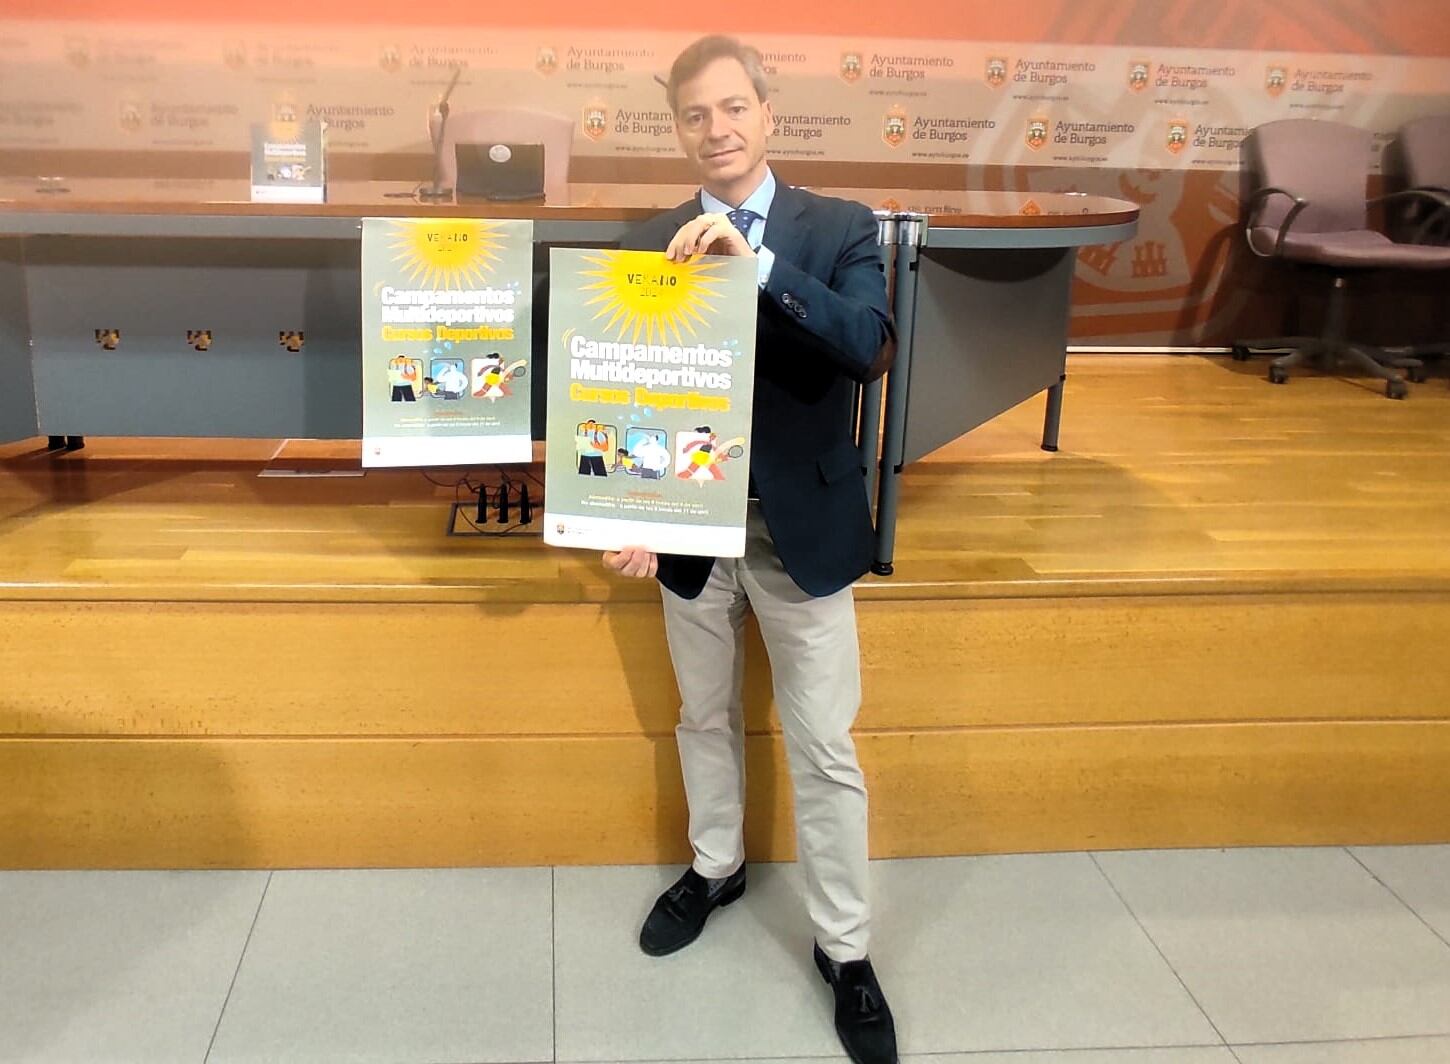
(1278, 375)
(1240, 353)
(1396, 389)
(883, 568)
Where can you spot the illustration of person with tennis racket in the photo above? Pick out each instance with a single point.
(491, 377)
(702, 457)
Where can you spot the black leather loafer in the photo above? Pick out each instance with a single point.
(863, 1019)
(680, 913)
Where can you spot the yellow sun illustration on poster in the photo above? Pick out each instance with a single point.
(644, 294)
(449, 253)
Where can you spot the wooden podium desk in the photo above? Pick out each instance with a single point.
(109, 287)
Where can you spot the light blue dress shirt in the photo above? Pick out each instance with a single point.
(758, 201)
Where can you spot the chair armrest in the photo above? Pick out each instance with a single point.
(1255, 201)
(1438, 198)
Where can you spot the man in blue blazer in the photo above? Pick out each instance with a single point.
(823, 324)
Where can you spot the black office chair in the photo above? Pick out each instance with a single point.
(1425, 150)
(1310, 209)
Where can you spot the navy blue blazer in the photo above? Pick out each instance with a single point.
(823, 322)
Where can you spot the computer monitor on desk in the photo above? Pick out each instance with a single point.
(552, 134)
(499, 172)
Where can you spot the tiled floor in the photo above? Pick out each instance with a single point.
(1314, 956)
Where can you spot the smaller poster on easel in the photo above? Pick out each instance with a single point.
(447, 307)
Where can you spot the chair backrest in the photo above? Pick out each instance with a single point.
(511, 125)
(1425, 148)
(1326, 163)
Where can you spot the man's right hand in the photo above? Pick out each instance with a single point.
(632, 561)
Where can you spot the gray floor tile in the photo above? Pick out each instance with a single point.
(1026, 952)
(1176, 1055)
(1185, 1055)
(1289, 945)
(1380, 1051)
(1420, 875)
(746, 988)
(433, 966)
(984, 953)
(118, 966)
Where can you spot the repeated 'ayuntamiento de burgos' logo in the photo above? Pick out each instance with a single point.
(77, 51)
(1177, 135)
(891, 203)
(284, 111)
(234, 55)
(996, 74)
(1276, 79)
(131, 116)
(1037, 131)
(851, 66)
(546, 61)
(390, 58)
(893, 126)
(1140, 72)
(596, 120)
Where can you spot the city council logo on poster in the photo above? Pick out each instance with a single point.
(893, 127)
(390, 58)
(547, 61)
(851, 66)
(1276, 79)
(996, 74)
(130, 116)
(1177, 135)
(596, 120)
(1140, 71)
(1036, 131)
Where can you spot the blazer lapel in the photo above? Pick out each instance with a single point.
(785, 229)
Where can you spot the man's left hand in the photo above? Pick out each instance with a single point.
(709, 234)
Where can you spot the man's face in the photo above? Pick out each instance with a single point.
(722, 124)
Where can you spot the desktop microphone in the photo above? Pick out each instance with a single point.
(435, 192)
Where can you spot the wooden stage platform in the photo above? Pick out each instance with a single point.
(1219, 616)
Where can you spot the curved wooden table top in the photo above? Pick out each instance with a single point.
(209, 198)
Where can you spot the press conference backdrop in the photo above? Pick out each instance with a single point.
(1143, 99)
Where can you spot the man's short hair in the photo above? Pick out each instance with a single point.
(705, 51)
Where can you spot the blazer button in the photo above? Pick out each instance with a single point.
(800, 311)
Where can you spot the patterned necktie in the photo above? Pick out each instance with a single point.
(742, 219)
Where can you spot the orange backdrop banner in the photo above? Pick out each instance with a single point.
(1380, 27)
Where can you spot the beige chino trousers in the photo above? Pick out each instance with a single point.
(816, 674)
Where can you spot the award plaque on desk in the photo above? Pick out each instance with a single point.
(289, 162)
(446, 341)
(651, 381)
